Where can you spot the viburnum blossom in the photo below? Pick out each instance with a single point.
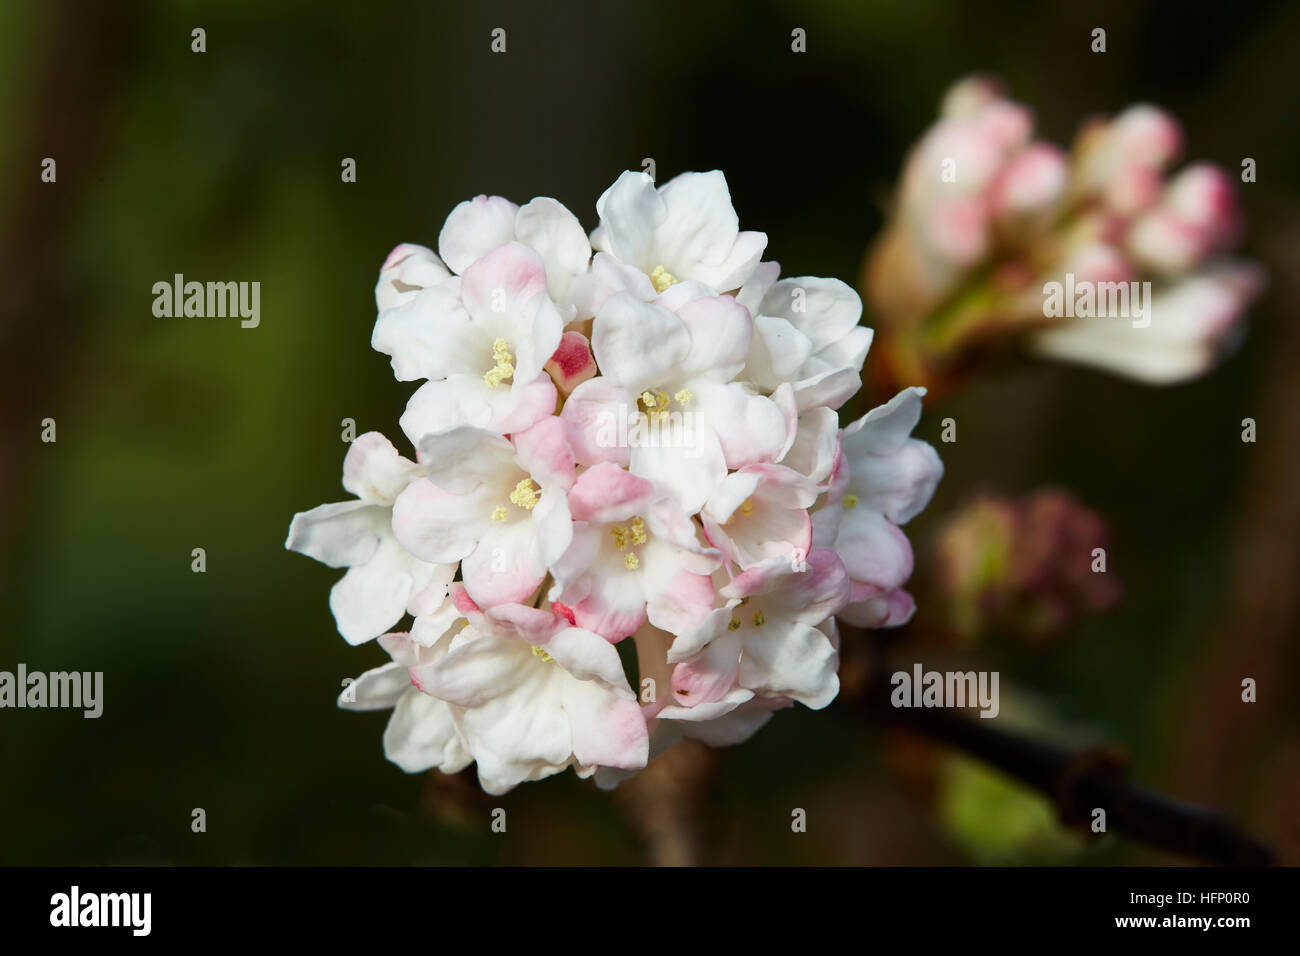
(627, 437)
(986, 217)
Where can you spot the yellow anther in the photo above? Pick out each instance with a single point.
(661, 400)
(733, 624)
(850, 502)
(747, 507)
(504, 367)
(759, 619)
(546, 658)
(620, 536)
(631, 561)
(648, 399)
(638, 531)
(661, 279)
(525, 495)
(499, 513)
(684, 397)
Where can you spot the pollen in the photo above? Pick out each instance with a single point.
(759, 619)
(504, 367)
(638, 531)
(850, 502)
(525, 495)
(619, 533)
(747, 507)
(499, 513)
(684, 397)
(546, 658)
(733, 624)
(662, 279)
(631, 561)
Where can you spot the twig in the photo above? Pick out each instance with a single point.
(1076, 781)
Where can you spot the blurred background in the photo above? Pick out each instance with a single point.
(175, 433)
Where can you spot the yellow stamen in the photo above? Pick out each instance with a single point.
(733, 624)
(546, 658)
(631, 561)
(638, 531)
(684, 397)
(620, 536)
(850, 502)
(499, 513)
(504, 367)
(747, 507)
(525, 495)
(759, 619)
(662, 279)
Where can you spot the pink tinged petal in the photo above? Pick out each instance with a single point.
(374, 471)
(466, 400)
(421, 735)
(407, 269)
(507, 566)
(636, 344)
(708, 677)
(607, 277)
(376, 689)
(749, 428)
(876, 553)
(340, 535)
(736, 726)
(558, 237)
(608, 731)
(720, 330)
(679, 601)
(572, 364)
(461, 459)
(614, 606)
(474, 229)
(892, 609)
(798, 662)
(438, 526)
(605, 494)
(592, 416)
(482, 668)
(554, 527)
(543, 453)
(371, 597)
(956, 230)
(1031, 185)
(692, 641)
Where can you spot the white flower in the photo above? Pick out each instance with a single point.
(628, 438)
(384, 580)
(421, 734)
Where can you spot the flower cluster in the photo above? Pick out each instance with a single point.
(627, 435)
(986, 216)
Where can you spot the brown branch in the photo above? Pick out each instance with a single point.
(1076, 781)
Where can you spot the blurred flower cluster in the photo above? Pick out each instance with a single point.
(1022, 567)
(627, 435)
(986, 216)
